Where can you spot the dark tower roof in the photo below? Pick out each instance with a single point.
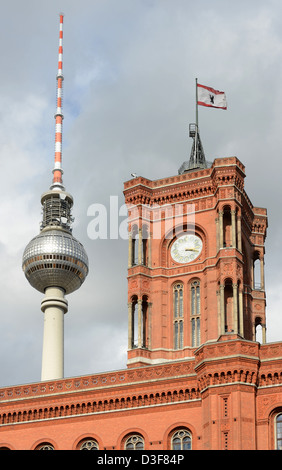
(197, 156)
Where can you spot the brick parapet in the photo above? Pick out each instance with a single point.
(123, 377)
(229, 361)
(100, 393)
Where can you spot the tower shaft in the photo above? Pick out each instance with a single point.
(54, 306)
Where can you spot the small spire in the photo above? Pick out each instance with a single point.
(58, 171)
(197, 156)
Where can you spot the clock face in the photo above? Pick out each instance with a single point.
(186, 248)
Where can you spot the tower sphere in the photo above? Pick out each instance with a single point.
(55, 258)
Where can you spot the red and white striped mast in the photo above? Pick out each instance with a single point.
(58, 171)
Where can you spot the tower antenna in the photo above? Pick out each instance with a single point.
(58, 171)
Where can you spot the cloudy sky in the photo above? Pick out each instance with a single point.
(129, 96)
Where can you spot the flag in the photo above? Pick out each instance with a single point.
(212, 98)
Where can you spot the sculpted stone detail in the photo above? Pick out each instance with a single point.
(227, 377)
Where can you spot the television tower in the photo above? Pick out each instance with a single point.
(54, 262)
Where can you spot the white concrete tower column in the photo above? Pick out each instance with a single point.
(54, 306)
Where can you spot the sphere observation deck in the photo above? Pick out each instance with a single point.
(55, 258)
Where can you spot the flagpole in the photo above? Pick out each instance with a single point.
(197, 118)
(197, 122)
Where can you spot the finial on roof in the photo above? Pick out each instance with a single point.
(197, 156)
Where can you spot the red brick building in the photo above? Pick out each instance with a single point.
(196, 377)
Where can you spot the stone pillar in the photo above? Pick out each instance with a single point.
(254, 331)
(222, 319)
(262, 272)
(233, 228)
(252, 274)
(130, 250)
(140, 246)
(130, 325)
(241, 317)
(149, 245)
(54, 306)
(220, 214)
(149, 325)
(139, 323)
(219, 329)
(263, 333)
(235, 308)
(239, 233)
(217, 234)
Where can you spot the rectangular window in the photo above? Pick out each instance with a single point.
(176, 335)
(198, 300)
(181, 303)
(198, 332)
(193, 332)
(193, 301)
(178, 316)
(195, 314)
(181, 334)
(175, 303)
(279, 432)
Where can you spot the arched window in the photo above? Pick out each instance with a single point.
(138, 311)
(139, 245)
(134, 442)
(178, 315)
(258, 330)
(257, 271)
(195, 313)
(278, 431)
(181, 440)
(45, 446)
(227, 235)
(88, 444)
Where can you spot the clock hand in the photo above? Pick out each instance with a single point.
(191, 249)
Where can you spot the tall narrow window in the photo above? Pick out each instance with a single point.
(278, 433)
(227, 234)
(178, 316)
(195, 313)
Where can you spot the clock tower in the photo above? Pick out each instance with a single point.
(196, 260)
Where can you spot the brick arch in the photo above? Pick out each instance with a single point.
(272, 412)
(44, 440)
(6, 446)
